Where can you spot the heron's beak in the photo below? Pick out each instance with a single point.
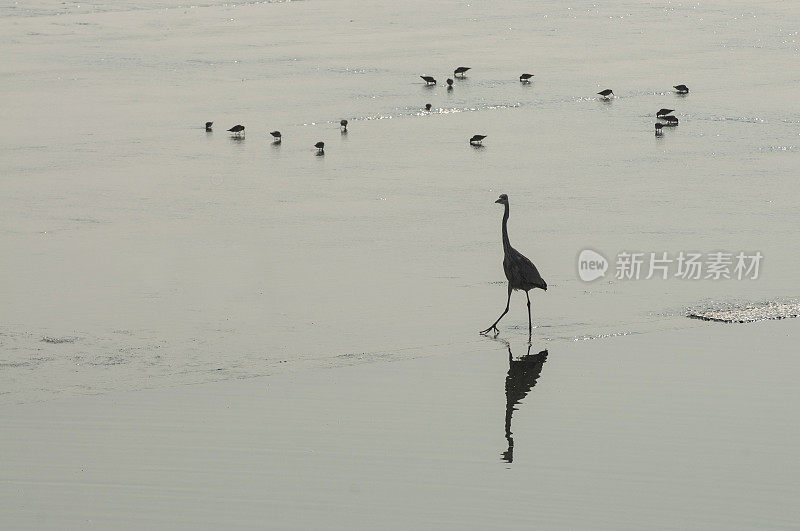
(499, 201)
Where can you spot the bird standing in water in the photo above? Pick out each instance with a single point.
(429, 80)
(520, 272)
(237, 130)
(320, 147)
(343, 126)
(607, 93)
(681, 89)
(461, 70)
(525, 78)
(276, 135)
(208, 126)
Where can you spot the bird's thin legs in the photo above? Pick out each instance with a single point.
(530, 324)
(494, 325)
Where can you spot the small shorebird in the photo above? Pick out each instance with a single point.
(276, 135)
(428, 106)
(208, 125)
(664, 112)
(461, 70)
(320, 147)
(681, 89)
(659, 126)
(477, 140)
(343, 126)
(237, 130)
(449, 84)
(671, 120)
(429, 80)
(525, 78)
(606, 93)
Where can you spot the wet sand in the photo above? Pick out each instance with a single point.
(677, 428)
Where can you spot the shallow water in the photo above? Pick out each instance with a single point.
(140, 251)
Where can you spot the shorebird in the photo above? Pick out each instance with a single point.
(237, 130)
(659, 126)
(276, 135)
(208, 125)
(520, 272)
(428, 106)
(428, 80)
(320, 147)
(671, 120)
(681, 89)
(606, 93)
(477, 140)
(664, 112)
(343, 126)
(449, 84)
(461, 70)
(525, 78)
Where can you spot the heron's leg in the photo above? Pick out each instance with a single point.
(508, 303)
(530, 324)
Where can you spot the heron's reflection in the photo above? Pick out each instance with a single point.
(521, 377)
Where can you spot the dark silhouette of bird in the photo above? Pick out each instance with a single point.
(681, 89)
(520, 272)
(208, 125)
(476, 140)
(461, 70)
(606, 93)
(343, 126)
(520, 379)
(320, 147)
(671, 120)
(525, 78)
(237, 130)
(449, 84)
(659, 126)
(428, 106)
(276, 135)
(428, 80)
(664, 112)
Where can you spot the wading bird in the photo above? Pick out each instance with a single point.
(208, 125)
(681, 89)
(671, 120)
(449, 84)
(276, 135)
(461, 70)
(428, 80)
(320, 147)
(428, 106)
(658, 129)
(606, 93)
(237, 130)
(525, 78)
(520, 272)
(664, 112)
(343, 126)
(476, 140)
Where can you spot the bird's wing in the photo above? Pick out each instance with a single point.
(523, 269)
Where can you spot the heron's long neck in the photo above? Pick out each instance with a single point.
(506, 242)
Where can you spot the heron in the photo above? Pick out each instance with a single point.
(525, 78)
(208, 126)
(476, 140)
(682, 89)
(664, 112)
(449, 84)
(276, 135)
(428, 106)
(520, 272)
(237, 129)
(343, 125)
(428, 80)
(461, 70)
(659, 126)
(671, 120)
(320, 147)
(606, 93)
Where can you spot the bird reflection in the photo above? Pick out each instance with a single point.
(521, 377)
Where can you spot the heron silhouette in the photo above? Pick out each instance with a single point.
(520, 272)
(520, 379)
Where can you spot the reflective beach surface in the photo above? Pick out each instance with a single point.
(158, 273)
